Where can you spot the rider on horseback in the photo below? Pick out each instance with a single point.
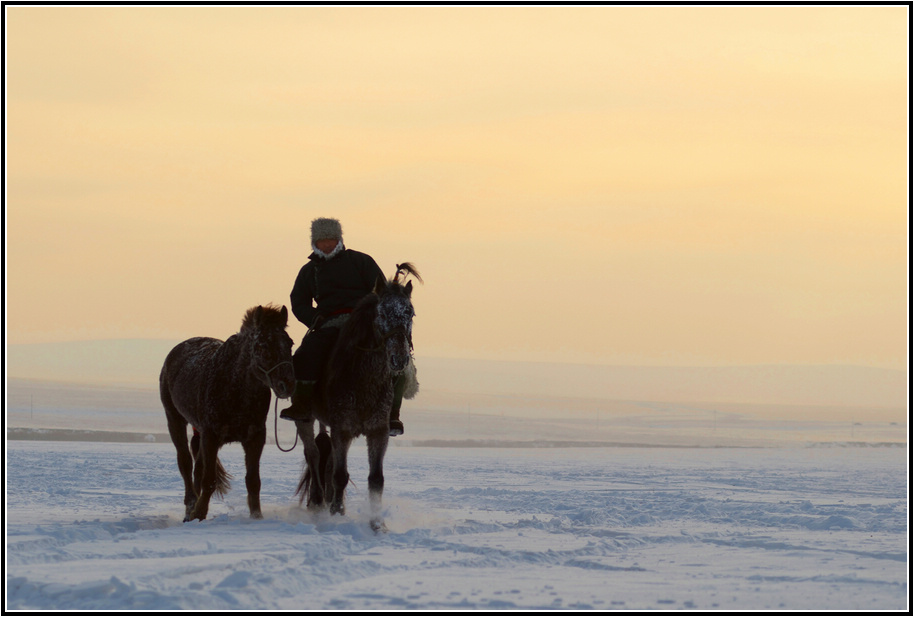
(335, 278)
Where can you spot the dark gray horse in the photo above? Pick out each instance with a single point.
(355, 395)
(223, 390)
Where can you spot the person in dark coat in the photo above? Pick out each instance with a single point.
(326, 290)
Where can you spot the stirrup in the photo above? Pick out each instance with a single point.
(396, 428)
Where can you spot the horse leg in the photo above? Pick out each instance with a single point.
(325, 462)
(198, 463)
(177, 429)
(340, 440)
(208, 459)
(377, 447)
(253, 448)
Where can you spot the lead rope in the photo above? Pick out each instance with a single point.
(276, 408)
(276, 428)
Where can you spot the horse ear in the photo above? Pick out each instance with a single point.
(257, 314)
(285, 316)
(409, 289)
(379, 285)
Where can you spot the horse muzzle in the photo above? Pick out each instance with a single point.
(398, 349)
(283, 384)
(281, 390)
(398, 363)
(398, 355)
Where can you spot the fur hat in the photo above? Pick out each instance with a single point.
(326, 229)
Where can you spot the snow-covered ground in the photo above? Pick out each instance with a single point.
(97, 526)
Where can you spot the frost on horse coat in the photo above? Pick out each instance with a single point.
(222, 389)
(355, 395)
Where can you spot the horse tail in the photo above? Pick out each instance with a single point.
(303, 485)
(222, 479)
(325, 450)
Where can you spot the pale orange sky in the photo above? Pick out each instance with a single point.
(622, 185)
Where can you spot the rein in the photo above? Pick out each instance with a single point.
(276, 429)
(383, 339)
(276, 408)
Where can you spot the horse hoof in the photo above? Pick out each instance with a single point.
(192, 515)
(256, 515)
(378, 526)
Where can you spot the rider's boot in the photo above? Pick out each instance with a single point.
(396, 427)
(301, 402)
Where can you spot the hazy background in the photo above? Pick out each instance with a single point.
(647, 187)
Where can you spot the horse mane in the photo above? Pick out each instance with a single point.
(359, 328)
(270, 317)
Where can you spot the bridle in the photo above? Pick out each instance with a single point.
(383, 337)
(394, 331)
(267, 372)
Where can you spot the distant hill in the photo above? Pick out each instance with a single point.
(136, 362)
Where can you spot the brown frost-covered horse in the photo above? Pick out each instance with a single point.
(223, 390)
(355, 395)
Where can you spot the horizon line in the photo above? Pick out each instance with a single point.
(481, 358)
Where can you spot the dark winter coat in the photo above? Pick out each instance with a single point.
(335, 285)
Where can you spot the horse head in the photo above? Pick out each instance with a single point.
(271, 348)
(394, 317)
